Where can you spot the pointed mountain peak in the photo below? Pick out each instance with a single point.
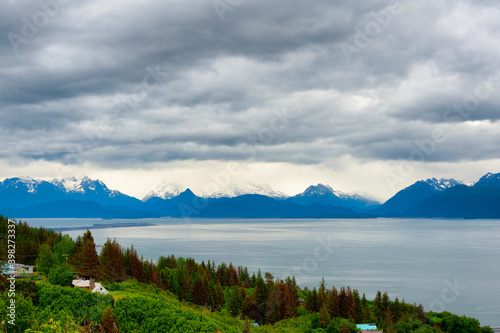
(319, 189)
(489, 180)
(440, 184)
(187, 194)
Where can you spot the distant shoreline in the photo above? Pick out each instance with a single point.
(105, 226)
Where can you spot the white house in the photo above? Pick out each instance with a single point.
(95, 287)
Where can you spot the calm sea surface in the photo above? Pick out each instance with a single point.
(447, 265)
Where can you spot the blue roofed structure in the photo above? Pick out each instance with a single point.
(367, 327)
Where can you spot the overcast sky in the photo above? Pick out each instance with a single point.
(367, 96)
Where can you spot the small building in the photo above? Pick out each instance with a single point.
(95, 287)
(20, 269)
(369, 328)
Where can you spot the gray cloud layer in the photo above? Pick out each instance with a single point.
(131, 82)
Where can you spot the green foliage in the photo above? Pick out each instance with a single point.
(340, 325)
(81, 304)
(114, 287)
(61, 276)
(24, 312)
(324, 317)
(109, 321)
(29, 289)
(407, 324)
(234, 300)
(64, 249)
(158, 314)
(46, 259)
(454, 324)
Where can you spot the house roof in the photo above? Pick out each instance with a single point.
(81, 283)
(367, 327)
(98, 288)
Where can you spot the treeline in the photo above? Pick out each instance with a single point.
(28, 240)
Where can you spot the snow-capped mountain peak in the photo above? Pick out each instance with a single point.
(30, 183)
(442, 184)
(79, 184)
(232, 191)
(166, 190)
(489, 180)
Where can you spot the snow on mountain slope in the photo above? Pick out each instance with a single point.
(489, 180)
(232, 191)
(68, 185)
(82, 185)
(356, 196)
(166, 190)
(442, 184)
(30, 183)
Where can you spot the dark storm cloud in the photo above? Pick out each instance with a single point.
(132, 82)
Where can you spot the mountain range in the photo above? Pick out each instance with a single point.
(86, 198)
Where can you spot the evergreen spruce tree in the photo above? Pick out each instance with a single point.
(333, 304)
(312, 301)
(235, 301)
(261, 296)
(377, 308)
(396, 310)
(218, 296)
(88, 265)
(324, 317)
(322, 297)
(135, 264)
(389, 320)
(343, 306)
(273, 306)
(111, 261)
(358, 307)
